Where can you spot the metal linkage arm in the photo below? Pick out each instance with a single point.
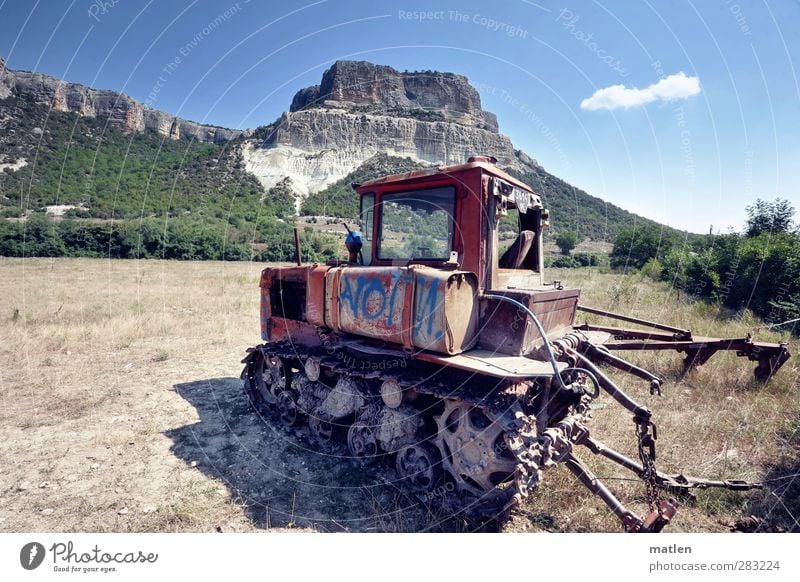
(621, 333)
(598, 354)
(630, 521)
(676, 331)
(653, 523)
(677, 482)
(613, 390)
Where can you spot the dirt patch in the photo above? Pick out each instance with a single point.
(122, 410)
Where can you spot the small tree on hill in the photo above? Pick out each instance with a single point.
(566, 241)
(634, 247)
(771, 217)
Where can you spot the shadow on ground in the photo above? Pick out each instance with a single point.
(280, 479)
(778, 504)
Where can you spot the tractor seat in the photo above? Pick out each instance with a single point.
(516, 253)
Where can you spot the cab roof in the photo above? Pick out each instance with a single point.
(486, 163)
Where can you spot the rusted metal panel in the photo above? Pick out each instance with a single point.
(430, 320)
(331, 307)
(297, 332)
(283, 294)
(475, 360)
(445, 310)
(315, 296)
(410, 306)
(430, 173)
(506, 329)
(265, 307)
(294, 273)
(494, 364)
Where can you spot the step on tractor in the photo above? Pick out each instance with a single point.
(458, 365)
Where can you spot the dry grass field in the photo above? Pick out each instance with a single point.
(121, 410)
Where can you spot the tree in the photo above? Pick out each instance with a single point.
(566, 241)
(770, 217)
(634, 247)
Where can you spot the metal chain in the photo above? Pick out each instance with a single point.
(647, 454)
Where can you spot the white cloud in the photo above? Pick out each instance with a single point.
(667, 89)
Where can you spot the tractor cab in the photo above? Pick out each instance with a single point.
(450, 217)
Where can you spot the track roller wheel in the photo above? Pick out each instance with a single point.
(276, 376)
(312, 369)
(256, 384)
(421, 465)
(361, 441)
(288, 411)
(321, 426)
(474, 448)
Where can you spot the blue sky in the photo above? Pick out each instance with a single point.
(691, 152)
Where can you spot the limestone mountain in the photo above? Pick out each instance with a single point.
(361, 109)
(78, 156)
(363, 117)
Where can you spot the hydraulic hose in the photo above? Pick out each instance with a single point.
(547, 346)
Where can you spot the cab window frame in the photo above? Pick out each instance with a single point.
(451, 221)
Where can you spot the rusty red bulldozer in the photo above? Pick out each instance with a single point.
(430, 350)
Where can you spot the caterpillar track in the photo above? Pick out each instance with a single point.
(442, 432)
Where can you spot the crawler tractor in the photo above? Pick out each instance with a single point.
(457, 365)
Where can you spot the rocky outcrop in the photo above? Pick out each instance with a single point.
(382, 89)
(361, 109)
(122, 112)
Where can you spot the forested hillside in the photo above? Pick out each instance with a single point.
(128, 195)
(75, 186)
(571, 209)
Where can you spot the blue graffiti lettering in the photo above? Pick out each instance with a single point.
(347, 296)
(426, 309)
(397, 278)
(366, 297)
(373, 291)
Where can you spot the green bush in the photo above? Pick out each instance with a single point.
(767, 272)
(653, 269)
(178, 238)
(633, 247)
(564, 263)
(577, 260)
(758, 271)
(566, 241)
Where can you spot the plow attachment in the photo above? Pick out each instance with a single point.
(538, 447)
(769, 357)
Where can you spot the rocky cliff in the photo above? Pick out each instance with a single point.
(360, 109)
(123, 112)
(378, 88)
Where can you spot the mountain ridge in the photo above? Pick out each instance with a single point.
(123, 112)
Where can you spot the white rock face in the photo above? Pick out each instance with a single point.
(13, 166)
(317, 147)
(309, 171)
(59, 209)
